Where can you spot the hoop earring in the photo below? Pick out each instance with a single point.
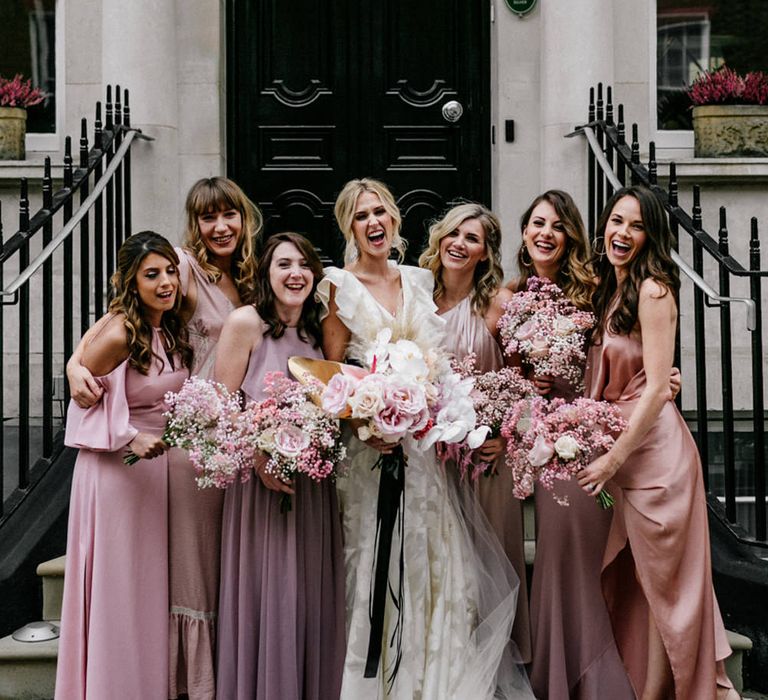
(523, 253)
(599, 248)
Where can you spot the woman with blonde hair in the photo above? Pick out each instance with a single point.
(114, 631)
(217, 273)
(446, 622)
(464, 256)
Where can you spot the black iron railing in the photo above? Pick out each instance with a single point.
(612, 163)
(101, 187)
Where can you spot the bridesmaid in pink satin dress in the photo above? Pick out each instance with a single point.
(464, 255)
(574, 651)
(114, 627)
(657, 575)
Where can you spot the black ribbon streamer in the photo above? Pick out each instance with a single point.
(389, 515)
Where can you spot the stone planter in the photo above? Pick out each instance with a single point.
(13, 128)
(722, 131)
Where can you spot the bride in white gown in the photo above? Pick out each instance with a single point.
(447, 619)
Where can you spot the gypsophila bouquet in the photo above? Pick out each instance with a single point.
(202, 420)
(492, 395)
(553, 440)
(298, 436)
(543, 327)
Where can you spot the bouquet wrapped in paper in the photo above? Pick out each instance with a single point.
(543, 327)
(553, 440)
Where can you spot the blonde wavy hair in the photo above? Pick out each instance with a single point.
(126, 300)
(214, 194)
(344, 211)
(489, 274)
(575, 276)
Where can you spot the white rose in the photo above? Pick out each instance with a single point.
(563, 325)
(567, 447)
(368, 398)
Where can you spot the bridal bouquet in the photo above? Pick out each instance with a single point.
(407, 390)
(297, 435)
(492, 395)
(202, 420)
(546, 330)
(553, 440)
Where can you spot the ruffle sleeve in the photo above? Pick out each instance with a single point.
(422, 286)
(105, 426)
(347, 297)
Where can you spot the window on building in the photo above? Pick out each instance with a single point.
(28, 46)
(699, 35)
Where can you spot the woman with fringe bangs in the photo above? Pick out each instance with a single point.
(114, 630)
(657, 575)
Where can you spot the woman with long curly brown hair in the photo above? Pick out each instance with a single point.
(657, 575)
(464, 255)
(114, 631)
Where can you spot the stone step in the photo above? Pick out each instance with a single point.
(27, 669)
(52, 573)
(735, 662)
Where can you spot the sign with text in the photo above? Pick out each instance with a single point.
(521, 7)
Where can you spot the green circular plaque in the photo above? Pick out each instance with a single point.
(521, 7)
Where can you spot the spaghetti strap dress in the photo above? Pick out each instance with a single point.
(657, 555)
(281, 612)
(466, 332)
(114, 623)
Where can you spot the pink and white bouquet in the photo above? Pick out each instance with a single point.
(407, 391)
(492, 395)
(296, 434)
(548, 332)
(553, 440)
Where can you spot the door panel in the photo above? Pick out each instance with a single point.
(320, 92)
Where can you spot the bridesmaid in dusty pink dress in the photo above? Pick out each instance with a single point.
(217, 267)
(281, 614)
(464, 255)
(114, 631)
(657, 574)
(574, 651)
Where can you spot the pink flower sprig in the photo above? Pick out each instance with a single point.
(725, 86)
(548, 441)
(543, 327)
(19, 93)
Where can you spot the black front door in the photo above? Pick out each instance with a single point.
(321, 91)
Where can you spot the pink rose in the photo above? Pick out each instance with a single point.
(525, 331)
(539, 348)
(541, 452)
(337, 393)
(290, 441)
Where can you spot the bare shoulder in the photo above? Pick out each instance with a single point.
(513, 285)
(656, 299)
(653, 289)
(107, 346)
(502, 296)
(244, 325)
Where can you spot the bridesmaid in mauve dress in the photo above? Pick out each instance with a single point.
(657, 574)
(114, 631)
(281, 614)
(217, 268)
(574, 651)
(464, 255)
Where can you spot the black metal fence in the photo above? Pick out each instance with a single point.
(612, 162)
(92, 214)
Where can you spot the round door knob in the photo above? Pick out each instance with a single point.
(452, 111)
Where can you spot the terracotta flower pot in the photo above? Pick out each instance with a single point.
(13, 127)
(722, 131)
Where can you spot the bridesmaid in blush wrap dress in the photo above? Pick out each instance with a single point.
(216, 268)
(281, 613)
(574, 651)
(656, 571)
(114, 630)
(464, 256)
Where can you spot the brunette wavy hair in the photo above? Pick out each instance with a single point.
(575, 275)
(488, 274)
(616, 305)
(344, 211)
(126, 300)
(214, 194)
(309, 324)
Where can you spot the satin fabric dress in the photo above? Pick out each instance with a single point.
(466, 332)
(657, 555)
(458, 607)
(281, 613)
(114, 623)
(194, 527)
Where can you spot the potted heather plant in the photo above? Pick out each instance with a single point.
(730, 114)
(15, 96)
